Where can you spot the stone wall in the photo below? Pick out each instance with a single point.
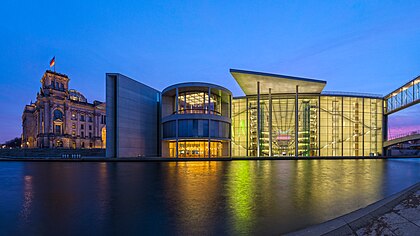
(45, 152)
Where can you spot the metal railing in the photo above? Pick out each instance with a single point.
(401, 135)
(197, 111)
(352, 94)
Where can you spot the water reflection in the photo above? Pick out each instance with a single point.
(28, 195)
(184, 198)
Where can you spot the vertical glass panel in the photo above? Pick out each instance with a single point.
(331, 126)
(283, 125)
(239, 127)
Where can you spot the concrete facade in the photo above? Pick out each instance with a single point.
(133, 118)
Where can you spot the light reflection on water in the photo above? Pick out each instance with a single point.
(238, 197)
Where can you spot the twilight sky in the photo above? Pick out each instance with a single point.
(360, 46)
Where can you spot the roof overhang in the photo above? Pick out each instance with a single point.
(247, 80)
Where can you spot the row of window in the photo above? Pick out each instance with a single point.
(82, 126)
(89, 118)
(82, 117)
(196, 129)
(82, 134)
(57, 85)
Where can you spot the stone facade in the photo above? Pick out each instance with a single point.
(62, 117)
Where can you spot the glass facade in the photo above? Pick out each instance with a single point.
(196, 121)
(199, 102)
(327, 126)
(192, 149)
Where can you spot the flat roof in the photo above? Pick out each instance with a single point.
(247, 80)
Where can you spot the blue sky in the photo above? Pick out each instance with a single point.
(360, 46)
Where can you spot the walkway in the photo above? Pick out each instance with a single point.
(398, 214)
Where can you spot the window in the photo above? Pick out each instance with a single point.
(169, 129)
(82, 134)
(73, 126)
(193, 128)
(82, 126)
(103, 119)
(90, 127)
(57, 85)
(219, 129)
(90, 118)
(82, 117)
(58, 129)
(90, 134)
(58, 115)
(73, 116)
(90, 145)
(73, 133)
(83, 145)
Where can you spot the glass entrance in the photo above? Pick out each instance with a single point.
(195, 149)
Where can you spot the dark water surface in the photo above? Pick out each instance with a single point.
(238, 197)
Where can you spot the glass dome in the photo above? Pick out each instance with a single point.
(76, 96)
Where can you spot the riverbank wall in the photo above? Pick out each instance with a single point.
(53, 153)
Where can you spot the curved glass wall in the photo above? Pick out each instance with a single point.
(199, 102)
(197, 128)
(193, 149)
(196, 121)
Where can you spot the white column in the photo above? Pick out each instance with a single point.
(208, 143)
(258, 120)
(270, 123)
(297, 121)
(176, 121)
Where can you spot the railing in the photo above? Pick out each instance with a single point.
(401, 135)
(197, 111)
(352, 94)
(403, 97)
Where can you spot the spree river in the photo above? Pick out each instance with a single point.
(185, 198)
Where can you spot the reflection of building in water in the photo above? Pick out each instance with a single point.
(193, 185)
(325, 184)
(62, 117)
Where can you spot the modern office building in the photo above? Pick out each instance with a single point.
(278, 116)
(289, 116)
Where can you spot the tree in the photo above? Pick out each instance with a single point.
(13, 143)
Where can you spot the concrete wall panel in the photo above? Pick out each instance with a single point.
(134, 112)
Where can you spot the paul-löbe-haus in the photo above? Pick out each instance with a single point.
(278, 116)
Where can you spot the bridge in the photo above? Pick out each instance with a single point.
(402, 138)
(403, 97)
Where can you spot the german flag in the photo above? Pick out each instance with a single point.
(52, 62)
